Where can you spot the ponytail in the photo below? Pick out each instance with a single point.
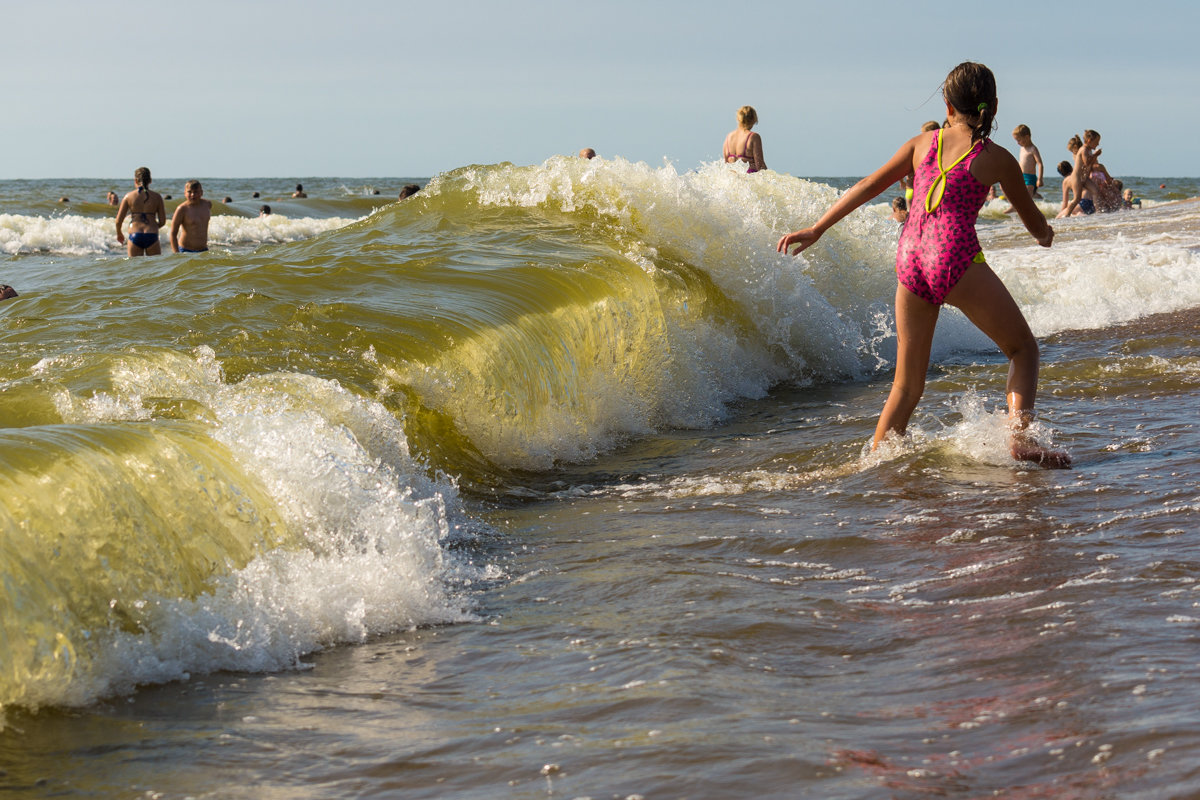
(971, 89)
(987, 121)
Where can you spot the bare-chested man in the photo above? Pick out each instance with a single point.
(189, 225)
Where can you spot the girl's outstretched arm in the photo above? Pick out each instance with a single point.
(1008, 174)
(868, 188)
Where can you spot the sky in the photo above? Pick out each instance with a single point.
(393, 88)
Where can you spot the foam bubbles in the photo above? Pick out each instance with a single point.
(76, 235)
(367, 529)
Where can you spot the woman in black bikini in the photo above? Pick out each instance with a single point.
(146, 214)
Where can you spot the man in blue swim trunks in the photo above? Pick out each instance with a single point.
(189, 224)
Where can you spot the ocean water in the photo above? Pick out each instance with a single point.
(553, 481)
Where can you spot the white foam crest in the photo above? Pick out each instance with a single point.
(78, 235)
(285, 409)
(819, 309)
(1094, 277)
(829, 308)
(266, 616)
(373, 525)
(68, 235)
(228, 230)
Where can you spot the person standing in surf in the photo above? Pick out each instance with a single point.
(742, 144)
(147, 214)
(939, 260)
(189, 223)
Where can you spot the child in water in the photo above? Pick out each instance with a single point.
(939, 259)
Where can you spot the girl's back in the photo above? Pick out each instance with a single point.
(956, 141)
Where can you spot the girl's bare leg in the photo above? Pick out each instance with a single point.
(983, 297)
(915, 322)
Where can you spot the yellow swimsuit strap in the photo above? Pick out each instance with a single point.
(937, 189)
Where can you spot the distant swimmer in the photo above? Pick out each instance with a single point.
(112, 198)
(264, 211)
(147, 214)
(742, 144)
(939, 259)
(64, 199)
(587, 152)
(409, 190)
(299, 191)
(189, 224)
(7, 291)
(900, 209)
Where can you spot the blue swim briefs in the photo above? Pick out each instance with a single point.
(143, 240)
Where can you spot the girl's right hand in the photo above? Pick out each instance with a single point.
(1048, 238)
(805, 238)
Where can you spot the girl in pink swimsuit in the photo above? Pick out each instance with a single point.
(939, 260)
(938, 241)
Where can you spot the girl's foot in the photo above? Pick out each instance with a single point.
(1026, 449)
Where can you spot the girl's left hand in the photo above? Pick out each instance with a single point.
(805, 238)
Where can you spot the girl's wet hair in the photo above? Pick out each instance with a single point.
(971, 89)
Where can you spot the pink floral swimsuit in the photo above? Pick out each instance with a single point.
(937, 245)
